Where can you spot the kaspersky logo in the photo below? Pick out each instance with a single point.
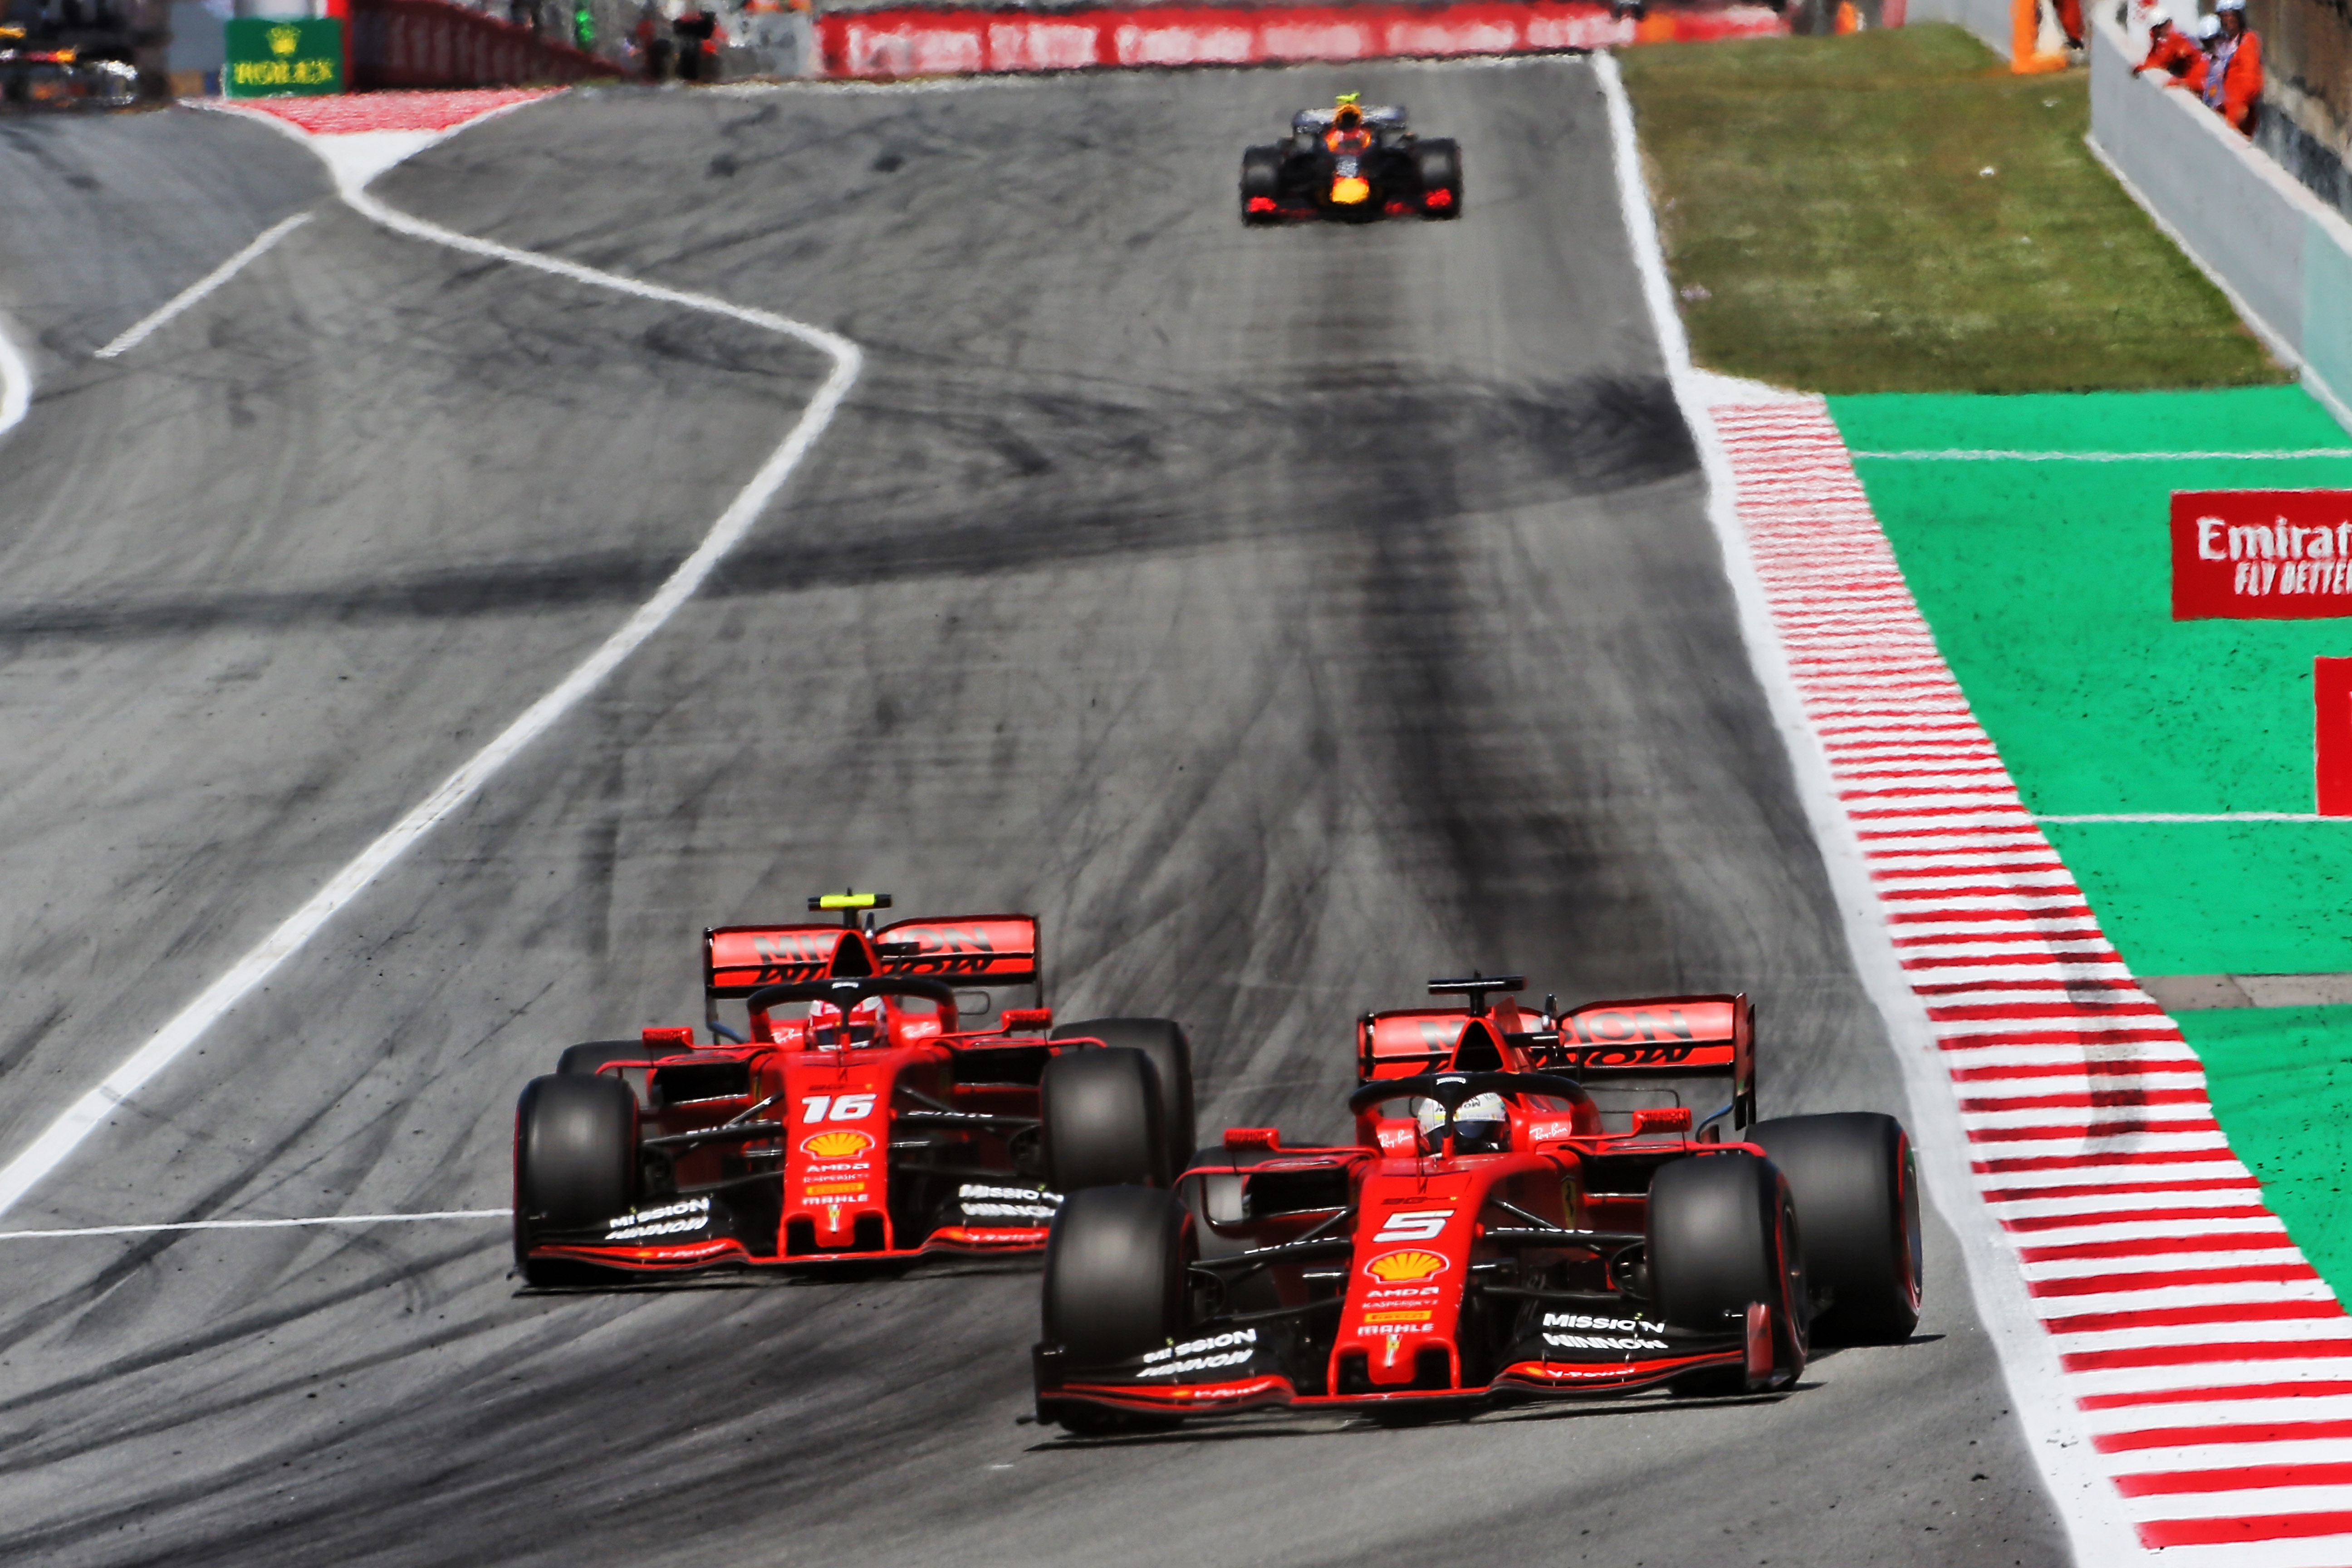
(840, 1145)
(1405, 1263)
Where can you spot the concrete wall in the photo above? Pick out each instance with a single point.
(2283, 256)
(1987, 19)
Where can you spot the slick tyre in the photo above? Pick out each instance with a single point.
(1439, 165)
(575, 1160)
(1115, 1274)
(595, 1054)
(1723, 1233)
(1162, 1041)
(1261, 180)
(1102, 1121)
(1857, 1195)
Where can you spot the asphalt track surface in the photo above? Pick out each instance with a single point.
(1287, 615)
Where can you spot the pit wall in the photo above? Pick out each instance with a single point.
(920, 41)
(2283, 256)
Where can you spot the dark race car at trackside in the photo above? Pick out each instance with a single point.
(1353, 163)
(858, 1122)
(1577, 1205)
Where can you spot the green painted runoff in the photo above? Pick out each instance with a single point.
(2048, 586)
(2279, 1078)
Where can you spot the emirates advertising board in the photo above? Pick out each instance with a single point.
(2274, 555)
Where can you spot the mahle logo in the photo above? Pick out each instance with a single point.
(285, 40)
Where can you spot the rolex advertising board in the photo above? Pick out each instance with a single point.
(272, 55)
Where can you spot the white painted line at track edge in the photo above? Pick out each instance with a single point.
(333, 1219)
(2098, 1530)
(140, 331)
(16, 383)
(83, 1117)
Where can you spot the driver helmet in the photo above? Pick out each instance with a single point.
(1481, 1127)
(1349, 112)
(828, 1030)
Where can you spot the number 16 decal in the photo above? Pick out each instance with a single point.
(847, 1108)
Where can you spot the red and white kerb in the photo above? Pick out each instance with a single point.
(2211, 1365)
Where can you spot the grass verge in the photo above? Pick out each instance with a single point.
(1894, 211)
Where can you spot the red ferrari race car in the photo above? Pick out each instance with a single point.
(1534, 1205)
(858, 1122)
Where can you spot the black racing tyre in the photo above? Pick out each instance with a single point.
(1261, 177)
(1171, 1051)
(1857, 1192)
(1723, 1233)
(1102, 1121)
(575, 1159)
(1115, 1274)
(595, 1054)
(1438, 163)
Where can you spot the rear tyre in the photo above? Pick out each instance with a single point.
(1723, 1233)
(1102, 1121)
(592, 1056)
(1114, 1275)
(1439, 165)
(575, 1161)
(1164, 1042)
(1262, 181)
(1857, 1191)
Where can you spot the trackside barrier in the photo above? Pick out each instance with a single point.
(919, 41)
(428, 43)
(2283, 256)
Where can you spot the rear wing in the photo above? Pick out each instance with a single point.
(1424, 1039)
(739, 960)
(978, 950)
(1654, 1050)
(1386, 116)
(970, 949)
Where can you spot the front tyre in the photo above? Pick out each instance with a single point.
(1723, 1233)
(1115, 1274)
(575, 1161)
(1102, 1121)
(1438, 163)
(1261, 184)
(1857, 1191)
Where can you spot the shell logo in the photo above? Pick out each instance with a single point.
(1411, 1263)
(842, 1145)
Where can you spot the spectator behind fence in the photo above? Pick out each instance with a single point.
(2235, 83)
(2174, 53)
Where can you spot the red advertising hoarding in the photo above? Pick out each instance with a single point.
(2277, 555)
(2331, 684)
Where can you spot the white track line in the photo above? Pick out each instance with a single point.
(15, 386)
(2097, 1528)
(83, 1117)
(1992, 455)
(259, 1224)
(140, 331)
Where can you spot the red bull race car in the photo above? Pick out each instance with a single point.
(1535, 1204)
(1353, 163)
(854, 1119)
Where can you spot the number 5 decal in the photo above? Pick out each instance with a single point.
(1415, 1224)
(847, 1108)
